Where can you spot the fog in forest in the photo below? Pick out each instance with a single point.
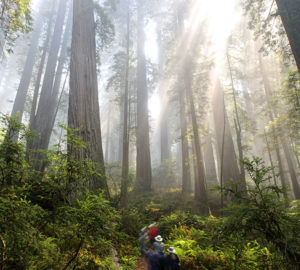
(164, 96)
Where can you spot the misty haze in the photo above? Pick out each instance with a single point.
(149, 134)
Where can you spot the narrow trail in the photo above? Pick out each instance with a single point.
(141, 265)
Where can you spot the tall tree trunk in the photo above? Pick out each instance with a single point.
(18, 107)
(2, 45)
(186, 173)
(209, 162)
(289, 11)
(83, 113)
(43, 116)
(3, 67)
(108, 137)
(195, 166)
(41, 69)
(200, 181)
(296, 188)
(143, 159)
(56, 94)
(295, 152)
(228, 159)
(163, 125)
(121, 127)
(268, 93)
(125, 152)
(270, 157)
(237, 124)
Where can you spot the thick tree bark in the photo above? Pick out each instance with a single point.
(143, 159)
(289, 11)
(83, 113)
(19, 104)
(200, 180)
(125, 151)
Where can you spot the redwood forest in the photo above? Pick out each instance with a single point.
(149, 134)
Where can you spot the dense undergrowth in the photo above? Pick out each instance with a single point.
(48, 222)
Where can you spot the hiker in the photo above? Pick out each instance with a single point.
(171, 261)
(143, 237)
(153, 232)
(158, 244)
(155, 257)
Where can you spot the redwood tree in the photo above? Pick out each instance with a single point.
(83, 113)
(143, 159)
(289, 11)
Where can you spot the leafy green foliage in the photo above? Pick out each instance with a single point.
(104, 27)
(15, 19)
(262, 214)
(54, 223)
(291, 96)
(50, 222)
(13, 168)
(265, 21)
(257, 233)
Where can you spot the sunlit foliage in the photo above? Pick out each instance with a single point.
(15, 19)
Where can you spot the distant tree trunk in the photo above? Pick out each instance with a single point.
(268, 93)
(281, 135)
(195, 165)
(108, 137)
(3, 71)
(143, 159)
(280, 165)
(43, 116)
(62, 57)
(19, 104)
(2, 34)
(40, 71)
(125, 151)
(164, 139)
(292, 171)
(200, 181)
(83, 113)
(228, 159)
(56, 94)
(270, 157)
(294, 150)
(237, 124)
(289, 11)
(209, 162)
(2, 45)
(121, 127)
(186, 173)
